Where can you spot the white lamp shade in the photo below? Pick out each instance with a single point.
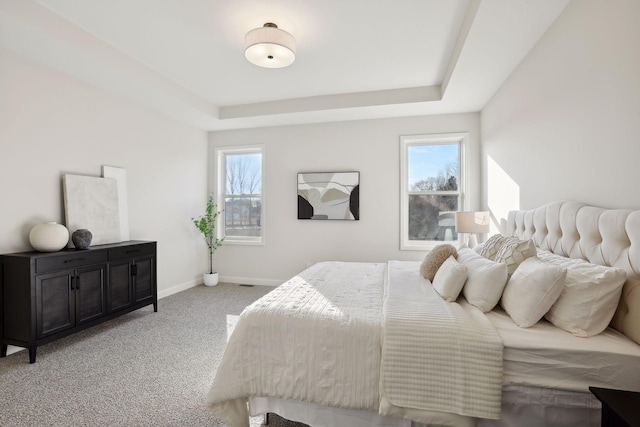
(472, 222)
(270, 47)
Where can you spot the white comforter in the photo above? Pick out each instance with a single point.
(317, 338)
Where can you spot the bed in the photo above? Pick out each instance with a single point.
(373, 344)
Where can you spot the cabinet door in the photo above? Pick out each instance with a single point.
(143, 279)
(55, 303)
(90, 295)
(119, 289)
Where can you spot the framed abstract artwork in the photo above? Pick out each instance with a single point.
(329, 195)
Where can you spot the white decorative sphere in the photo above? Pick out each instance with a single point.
(49, 237)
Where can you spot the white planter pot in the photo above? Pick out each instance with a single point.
(210, 279)
(49, 237)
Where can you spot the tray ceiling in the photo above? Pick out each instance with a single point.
(355, 59)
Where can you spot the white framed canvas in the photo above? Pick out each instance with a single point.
(92, 203)
(120, 175)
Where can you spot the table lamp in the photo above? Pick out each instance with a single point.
(472, 223)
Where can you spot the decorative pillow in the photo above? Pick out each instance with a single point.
(491, 247)
(485, 281)
(513, 251)
(589, 298)
(532, 290)
(450, 279)
(434, 260)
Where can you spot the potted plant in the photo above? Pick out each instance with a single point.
(207, 226)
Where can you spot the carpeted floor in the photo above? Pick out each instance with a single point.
(141, 369)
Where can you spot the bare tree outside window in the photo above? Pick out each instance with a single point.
(243, 174)
(243, 195)
(434, 198)
(446, 180)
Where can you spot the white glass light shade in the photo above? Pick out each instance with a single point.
(270, 47)
(49, 237)
(472, 222)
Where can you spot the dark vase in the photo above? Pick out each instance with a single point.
(81, 238)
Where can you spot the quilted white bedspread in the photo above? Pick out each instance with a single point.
(437, 356)
(316, 338)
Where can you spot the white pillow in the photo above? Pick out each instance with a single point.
(589, 298)
(532, 290)
(513, 251)
(450, 279)
(485, 281)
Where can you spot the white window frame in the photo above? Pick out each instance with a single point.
(221, 189)
(459, 138)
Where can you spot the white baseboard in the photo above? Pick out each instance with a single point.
(223, 279)
(179, 288)
(251, 281)
(13, 349)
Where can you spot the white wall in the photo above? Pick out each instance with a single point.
(370, 147)
(566, 124)
(51, 124)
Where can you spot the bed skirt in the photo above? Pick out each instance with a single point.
(522, 406)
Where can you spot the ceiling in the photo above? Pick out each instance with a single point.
(356, 59)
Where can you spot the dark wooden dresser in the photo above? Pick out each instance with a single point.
(48, 295)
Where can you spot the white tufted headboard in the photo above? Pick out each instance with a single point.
(601, 236)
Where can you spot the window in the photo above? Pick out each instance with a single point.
(432, 181)
(240, 194)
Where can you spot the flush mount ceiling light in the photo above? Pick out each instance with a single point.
(270, 47)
